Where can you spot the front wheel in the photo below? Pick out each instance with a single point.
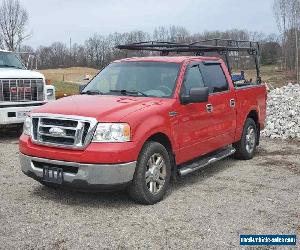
(152, 175)
(245, 148)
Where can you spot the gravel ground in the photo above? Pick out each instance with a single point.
(283, 113)
(205, 210)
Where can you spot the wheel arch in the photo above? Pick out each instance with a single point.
(253, 114)
(163, 139)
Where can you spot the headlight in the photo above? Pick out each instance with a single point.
(112, 132)
(27, 126)
(50, 92)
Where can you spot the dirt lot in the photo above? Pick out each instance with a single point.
(206, 210)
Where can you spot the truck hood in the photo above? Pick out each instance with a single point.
(103, 108)
(11, 73)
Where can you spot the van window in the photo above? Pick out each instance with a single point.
(214, 78)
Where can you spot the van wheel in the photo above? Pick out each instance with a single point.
(19, 130)
(152, 175)
(245, 148)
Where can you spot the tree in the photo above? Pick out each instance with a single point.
(161, 34)
(13, 22)
(1, 43)
(287, 15)
(295, 23)
(178, 34)
(78, 55)
(100, 50)
(280, 9)
(270, 52)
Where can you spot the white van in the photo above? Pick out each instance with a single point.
(21, 90)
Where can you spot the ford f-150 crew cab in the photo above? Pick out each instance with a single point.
(142, 120)
(21, 90)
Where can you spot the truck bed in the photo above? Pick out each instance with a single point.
(250, 97)
(245, 85)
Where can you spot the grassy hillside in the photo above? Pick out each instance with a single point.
(75, 74)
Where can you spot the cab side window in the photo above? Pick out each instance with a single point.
(214, 78)
(193, 79)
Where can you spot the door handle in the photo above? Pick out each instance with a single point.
(209, 108)
(232, 103)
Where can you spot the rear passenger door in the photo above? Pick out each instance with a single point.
(221, 104)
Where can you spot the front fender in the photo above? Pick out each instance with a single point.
(152, 125)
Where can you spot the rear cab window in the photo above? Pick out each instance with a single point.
(214, 77)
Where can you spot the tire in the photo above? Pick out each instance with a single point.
(152, 175)
(19, 130)
(245, 148)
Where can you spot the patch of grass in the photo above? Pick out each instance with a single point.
(65, 88)
(272, 74)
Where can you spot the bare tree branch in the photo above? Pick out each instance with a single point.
(13, 21)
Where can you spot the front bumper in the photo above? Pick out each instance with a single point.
(106, 153)
(80, 175)
(9, 113)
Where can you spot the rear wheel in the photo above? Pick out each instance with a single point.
(246, 147)
(152, 176)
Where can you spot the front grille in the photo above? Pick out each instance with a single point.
(21, 90)
(62, 131)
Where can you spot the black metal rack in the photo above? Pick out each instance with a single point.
(221, 46)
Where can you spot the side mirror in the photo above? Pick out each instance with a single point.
(81, 87)
(196, 95)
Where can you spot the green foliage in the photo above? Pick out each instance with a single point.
(65, 88)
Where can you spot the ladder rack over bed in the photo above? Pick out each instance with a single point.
(198, 48)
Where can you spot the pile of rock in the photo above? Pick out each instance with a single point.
(283, 113)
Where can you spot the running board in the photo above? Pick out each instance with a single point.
(206, 160)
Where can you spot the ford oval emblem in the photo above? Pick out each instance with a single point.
(57, 131)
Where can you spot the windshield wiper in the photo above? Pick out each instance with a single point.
(128, 92)
(9, 66)
(92, 92)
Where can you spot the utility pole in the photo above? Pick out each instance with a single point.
(70, 52)
(296, 37)
(295, 22)
(295, 19)
(297, 53)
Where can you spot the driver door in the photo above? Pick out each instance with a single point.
(194, 120)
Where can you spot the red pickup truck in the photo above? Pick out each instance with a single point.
(141, 121)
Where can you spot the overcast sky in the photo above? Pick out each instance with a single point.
(58, 20)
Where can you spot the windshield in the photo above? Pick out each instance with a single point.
(10, 60)
(154, 79)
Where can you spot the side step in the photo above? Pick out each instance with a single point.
(206, 160)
